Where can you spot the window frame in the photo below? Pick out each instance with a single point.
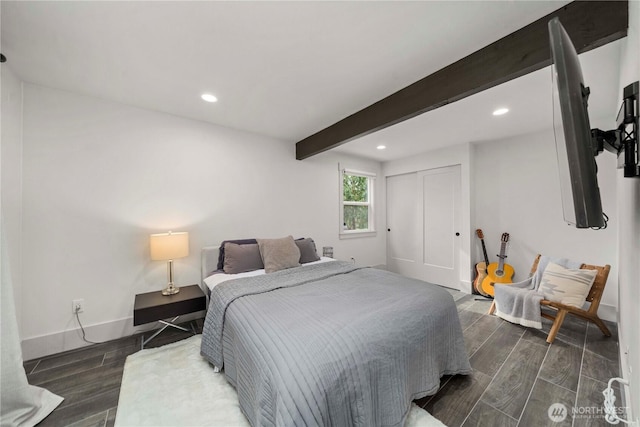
(371, 185)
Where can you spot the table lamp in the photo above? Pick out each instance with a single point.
(167, 247)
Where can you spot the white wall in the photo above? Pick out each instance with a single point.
(517, 191)
(11, 177)
(512, 186)
(629, 237)
(99, 177)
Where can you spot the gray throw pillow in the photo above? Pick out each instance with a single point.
(241, 258)
(278, 254)
(236, 241)
(308, 252)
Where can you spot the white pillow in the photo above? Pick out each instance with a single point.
(569, 287)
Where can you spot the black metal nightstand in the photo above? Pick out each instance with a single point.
(153, 306)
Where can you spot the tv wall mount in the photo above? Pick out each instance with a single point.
(622, 141)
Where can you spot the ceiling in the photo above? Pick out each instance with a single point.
(286, 69)
(528, 98)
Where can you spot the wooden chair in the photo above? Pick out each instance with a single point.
(593, 298)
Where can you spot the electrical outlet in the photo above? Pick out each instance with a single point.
(77, 306)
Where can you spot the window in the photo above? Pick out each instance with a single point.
(356, 211)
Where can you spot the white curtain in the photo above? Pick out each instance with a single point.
(21, 404)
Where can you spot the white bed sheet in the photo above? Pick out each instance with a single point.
(215, 279)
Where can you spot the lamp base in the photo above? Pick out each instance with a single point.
(170, 290)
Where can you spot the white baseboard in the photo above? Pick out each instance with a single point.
(465, 286)
(608, 312)
(605, 311)
(45, 345)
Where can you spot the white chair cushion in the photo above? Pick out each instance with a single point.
(566, 286)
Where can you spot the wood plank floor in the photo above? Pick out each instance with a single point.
(517, 375)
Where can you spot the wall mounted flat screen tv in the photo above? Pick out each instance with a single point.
(575, 150)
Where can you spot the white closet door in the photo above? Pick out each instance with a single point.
(439, 227)
(402, 225)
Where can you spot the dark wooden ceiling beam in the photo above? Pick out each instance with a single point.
(590, 24)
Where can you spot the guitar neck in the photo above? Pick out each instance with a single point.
(502, 256)
(484, 252)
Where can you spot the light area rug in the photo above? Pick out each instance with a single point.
(173, 385)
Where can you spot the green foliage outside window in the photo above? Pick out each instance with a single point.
(355, 189)
(356, 217)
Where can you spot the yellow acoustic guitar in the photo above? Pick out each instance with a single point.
(498, 272)
(481, 267)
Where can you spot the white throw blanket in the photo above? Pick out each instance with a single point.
(520, 302)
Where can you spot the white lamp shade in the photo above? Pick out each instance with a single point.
(166, 246)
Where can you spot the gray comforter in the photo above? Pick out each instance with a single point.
(333, 345)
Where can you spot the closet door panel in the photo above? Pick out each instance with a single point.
(440, 223)
(402, 224)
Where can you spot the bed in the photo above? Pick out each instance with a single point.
(329, 343)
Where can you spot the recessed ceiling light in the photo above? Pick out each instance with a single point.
(500, 111)
(381, 147)
(209, 98)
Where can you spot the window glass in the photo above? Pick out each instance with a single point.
(356, 215)
(355, 188)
